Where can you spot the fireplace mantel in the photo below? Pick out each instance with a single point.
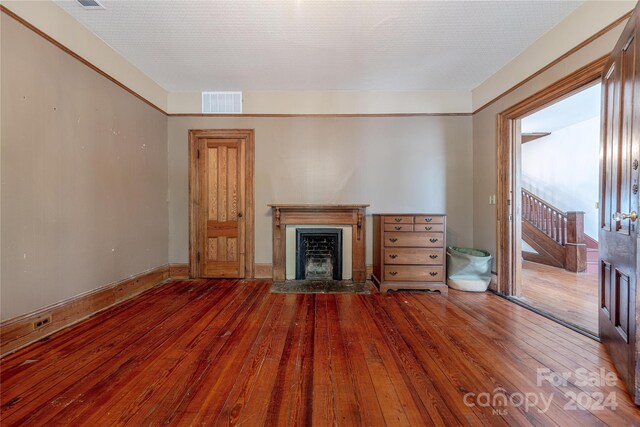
(301, 214)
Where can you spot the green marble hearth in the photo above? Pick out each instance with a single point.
(320, 287)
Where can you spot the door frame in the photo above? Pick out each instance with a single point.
(508, 165)
(249, 211)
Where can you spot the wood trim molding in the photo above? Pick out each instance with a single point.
(20, 331)
(249, 213)
(558, 60)
(322, 115)
(507, 178)
(179, 271)
(558, 90)
(263, 271)
(79, 58)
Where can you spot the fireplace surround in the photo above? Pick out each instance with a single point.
(350, 216)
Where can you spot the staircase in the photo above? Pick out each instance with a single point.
(558, 237)
(592, 255)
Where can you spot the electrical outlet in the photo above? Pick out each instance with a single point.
(492, 199)
(42, 322)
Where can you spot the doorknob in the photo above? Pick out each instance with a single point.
(633, 215)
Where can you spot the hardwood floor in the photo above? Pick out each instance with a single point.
(229, 352)
(571, 297)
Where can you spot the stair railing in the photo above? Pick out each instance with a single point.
(565, 228)
(547, 218)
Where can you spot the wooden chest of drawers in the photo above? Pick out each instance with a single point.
(409, 252)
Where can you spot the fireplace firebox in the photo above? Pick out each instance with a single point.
(318, 254)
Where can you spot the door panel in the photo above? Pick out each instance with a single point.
(605, 289)
(223, 225)
(619, 192)
(221, 228)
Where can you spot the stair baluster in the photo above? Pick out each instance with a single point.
(564, 228)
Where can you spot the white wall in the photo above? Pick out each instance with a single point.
(562, 169)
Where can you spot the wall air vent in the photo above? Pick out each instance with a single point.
(222, 102)
(91, 4)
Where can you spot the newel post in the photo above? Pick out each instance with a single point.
(575, 248)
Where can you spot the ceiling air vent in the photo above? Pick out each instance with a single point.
(91, 4)
(222, 102)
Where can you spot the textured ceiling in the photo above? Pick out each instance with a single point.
(320, 45)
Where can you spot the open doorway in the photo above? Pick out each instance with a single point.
(559, 190)
(509, 255)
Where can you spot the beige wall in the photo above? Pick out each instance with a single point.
(334, 102)
(484, 135)
(405, 164)
(84, 177)
(52, 20)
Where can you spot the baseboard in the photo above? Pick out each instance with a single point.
(263, 271)
(493, 285)
(21, 331)
(540, 259)
(179, 271)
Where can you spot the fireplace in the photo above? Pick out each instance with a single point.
(318, 254)
(287, 218)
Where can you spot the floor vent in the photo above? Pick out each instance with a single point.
(222, 102)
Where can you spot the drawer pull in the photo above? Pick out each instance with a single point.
(433, 273)
(393, 240)
(428, 219)
(393, 256)
(398, 227)
(428, 228)
(433, 256)
(433, 240)
(397, 219)
(393, 273)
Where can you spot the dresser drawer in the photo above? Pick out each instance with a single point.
(398, 227)
(410, 273)
(434, 228)
(430, 219)
(413, 256)
(421, 240)
(398, 219)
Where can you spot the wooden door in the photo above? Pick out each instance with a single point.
(221, 209)
(619, 191)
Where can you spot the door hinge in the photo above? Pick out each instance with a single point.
(510, 217)
(198, 153)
